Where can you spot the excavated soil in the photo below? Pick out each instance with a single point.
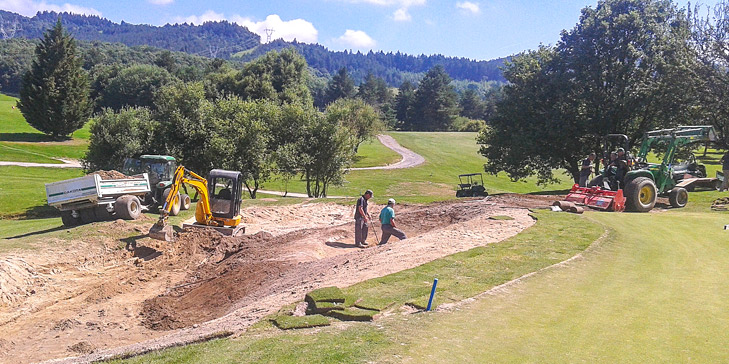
(100, 296)
(112, 174)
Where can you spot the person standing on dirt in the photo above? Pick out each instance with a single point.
(586, 170)
(361, 220)
(725, 170)
(387, 221)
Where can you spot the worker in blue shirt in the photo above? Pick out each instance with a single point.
(387, 219)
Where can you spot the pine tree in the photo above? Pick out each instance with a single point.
(54, 97)
(436, 102)
(341, 86)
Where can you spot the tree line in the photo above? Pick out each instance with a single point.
(258, 120)
(230, 41)
(627, 67)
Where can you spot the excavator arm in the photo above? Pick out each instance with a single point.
(163, 231)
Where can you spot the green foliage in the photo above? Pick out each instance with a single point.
(403, 105)
(54, 97)
(359, 118)
(325, 150)
(118, 135)
(278, 76)
(341, 86)
(471, 105)
(241, 138)
(625, 68)
(710, 39)
(134, 86)
(466, 124)
(435, 103)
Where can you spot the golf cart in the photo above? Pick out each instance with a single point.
(469, 185)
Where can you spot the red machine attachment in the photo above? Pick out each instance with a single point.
(597, 198)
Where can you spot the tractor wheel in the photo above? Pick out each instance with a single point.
(678, 197)
(68, 219)
(459, 193)
(128, 207)
(87, 215)
(175, 208)
(640, 194)
(185, 201)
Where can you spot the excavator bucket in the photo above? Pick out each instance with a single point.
(597, 198)
(164, 233)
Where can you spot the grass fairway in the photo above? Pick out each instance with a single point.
(19, 142)
(447, 155)
(653, 291)
(23, 192)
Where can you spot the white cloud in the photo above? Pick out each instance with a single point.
(468, 6)
(357, 39)
(30, 8)
(299, 29)
(197, 20)
(401, 15)
(161, 2)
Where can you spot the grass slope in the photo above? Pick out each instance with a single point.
(654, 291)
(19, 142)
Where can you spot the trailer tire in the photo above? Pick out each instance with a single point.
(87, 215)
(68, 219)
(185, 201)
(128, 207)
(640, 194)
(175, 208)
(678, 197)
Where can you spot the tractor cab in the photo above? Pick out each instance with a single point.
(469, 185)
(161, 169)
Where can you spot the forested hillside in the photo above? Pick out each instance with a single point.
(230, 41)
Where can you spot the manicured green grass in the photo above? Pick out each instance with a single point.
(554, 238)
(654, 291)
(19, 142)
(447, 155)
(372, 153)
(22, 189)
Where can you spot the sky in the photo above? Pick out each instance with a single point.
(475, 29)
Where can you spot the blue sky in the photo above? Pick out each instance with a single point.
(477, 29)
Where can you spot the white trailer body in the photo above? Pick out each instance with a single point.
(91, 190)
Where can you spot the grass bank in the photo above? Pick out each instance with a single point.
(19, 142)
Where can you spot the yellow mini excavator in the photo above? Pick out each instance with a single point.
(218, 207)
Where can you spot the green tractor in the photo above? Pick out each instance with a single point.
(161, 169)
(644, 182)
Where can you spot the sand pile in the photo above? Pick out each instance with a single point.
(112, 174)
(17, 280)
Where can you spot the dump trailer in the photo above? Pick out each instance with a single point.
(90, 198)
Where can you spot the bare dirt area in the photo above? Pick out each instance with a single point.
(100, 296)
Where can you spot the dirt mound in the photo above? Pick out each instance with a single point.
(112, 174)
(82, 347)
(17, 280)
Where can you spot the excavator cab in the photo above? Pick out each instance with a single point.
(226, 192)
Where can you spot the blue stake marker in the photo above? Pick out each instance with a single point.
(432, 294)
